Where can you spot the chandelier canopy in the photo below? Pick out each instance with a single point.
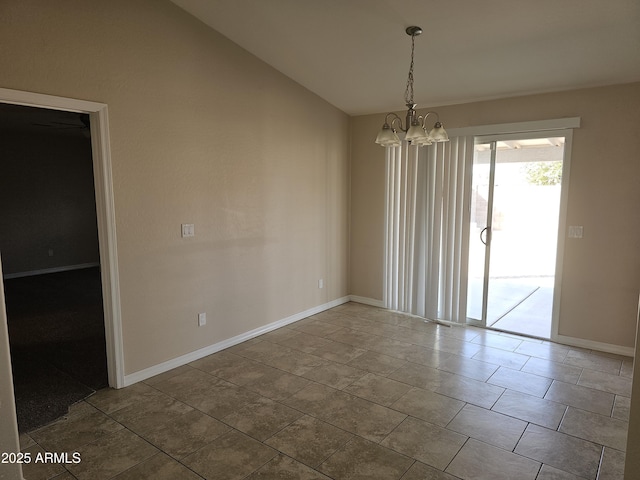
(415, 126)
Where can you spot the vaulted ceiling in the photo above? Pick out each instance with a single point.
(355, 53)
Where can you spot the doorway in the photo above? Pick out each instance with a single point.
(100, 147)
(514, 224)
(51, 264)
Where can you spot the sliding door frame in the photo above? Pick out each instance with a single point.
(567, 134)
(558, 127)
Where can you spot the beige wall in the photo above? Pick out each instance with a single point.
(47, 201)
(201, 132)
(601, 272)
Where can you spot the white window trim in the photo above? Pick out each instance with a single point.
(518, 127)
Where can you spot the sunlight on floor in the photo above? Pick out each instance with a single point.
(530, 317)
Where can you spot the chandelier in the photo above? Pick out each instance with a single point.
(415, 126)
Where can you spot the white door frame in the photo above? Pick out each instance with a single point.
(103, 185)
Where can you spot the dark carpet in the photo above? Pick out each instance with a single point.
(57, 340)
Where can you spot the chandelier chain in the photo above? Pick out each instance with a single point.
(408, 93)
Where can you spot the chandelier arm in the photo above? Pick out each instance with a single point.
(431, 113)
(395, 118)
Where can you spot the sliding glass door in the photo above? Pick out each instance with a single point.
(514, 218)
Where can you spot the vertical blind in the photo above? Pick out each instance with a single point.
(426, 242)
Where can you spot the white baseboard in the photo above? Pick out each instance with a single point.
(366, 301)
(45, 271)
(593, 345)
(216, 347)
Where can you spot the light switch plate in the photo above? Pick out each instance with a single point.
(188, 230)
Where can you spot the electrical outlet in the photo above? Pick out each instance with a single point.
(51, 252)
(576, 231)
(202, 319)
(321, 283)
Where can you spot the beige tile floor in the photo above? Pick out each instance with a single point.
(357, 393)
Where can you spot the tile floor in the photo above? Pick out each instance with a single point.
(357, 393)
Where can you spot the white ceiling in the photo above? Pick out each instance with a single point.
(355, 53)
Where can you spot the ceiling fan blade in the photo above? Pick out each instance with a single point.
(67, 125)
(58, 126)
